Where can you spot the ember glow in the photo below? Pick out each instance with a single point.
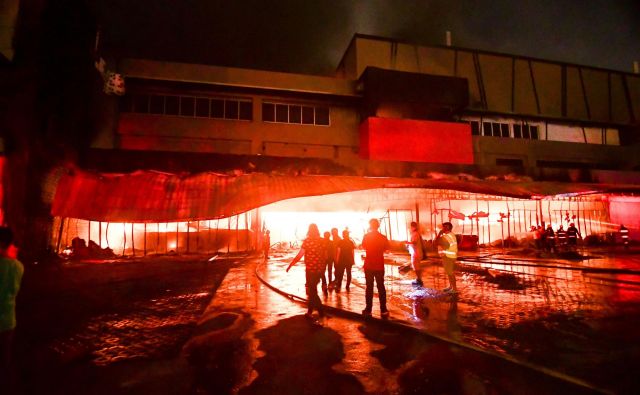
(489, 218)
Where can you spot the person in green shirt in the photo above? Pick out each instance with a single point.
(11, 271)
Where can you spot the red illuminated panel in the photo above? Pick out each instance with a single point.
(416, 141)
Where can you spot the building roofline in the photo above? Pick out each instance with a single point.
(479, 51)
(237, 77)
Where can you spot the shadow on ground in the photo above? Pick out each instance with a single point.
(298, 359)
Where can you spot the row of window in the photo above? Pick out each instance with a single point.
(295, 113)
(188, 106)
(499, 129)
(223, 108)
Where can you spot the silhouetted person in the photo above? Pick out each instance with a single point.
(375, 244)
(562, 237)
(11, 271)
(344, 260)
(314, 251)
(550, 238)
(266, 244)
(572, 235)
(331, 257)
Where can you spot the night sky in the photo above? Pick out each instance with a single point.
(310, 36)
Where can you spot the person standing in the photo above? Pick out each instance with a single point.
(415, 249)
(11, 271)
(562, 238)
(624, 235)
(344, 260)
(314, 251)
(330, 255)
(448, 250)
(572, 235)
(551, 239)
(375, 244)
(266, 246)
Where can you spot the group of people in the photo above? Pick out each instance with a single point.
(331, 254)
(447, 244)
(321, 253)
(554, 241)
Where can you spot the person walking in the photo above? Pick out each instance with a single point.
(448, 250)
(11, 271)
(375, 244)
(416, 251)
(314, 251)
(344, 260)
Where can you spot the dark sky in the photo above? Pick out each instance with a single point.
(310, 36)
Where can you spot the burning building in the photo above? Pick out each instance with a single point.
(202, 158)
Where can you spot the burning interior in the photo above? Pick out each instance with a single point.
(156, 213)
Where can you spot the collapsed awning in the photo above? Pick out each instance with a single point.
(147, 196)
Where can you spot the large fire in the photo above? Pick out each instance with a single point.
(488, 218)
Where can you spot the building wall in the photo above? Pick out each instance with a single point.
(509, 84)
(338, 140)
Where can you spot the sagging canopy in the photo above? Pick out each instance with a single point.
(148, 196)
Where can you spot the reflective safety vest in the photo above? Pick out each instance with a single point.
(562, 236)
(452, 251)
(624, 233)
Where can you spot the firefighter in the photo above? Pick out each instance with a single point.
(624, 234)
(562, 237)
(572, 235)
(550, 245)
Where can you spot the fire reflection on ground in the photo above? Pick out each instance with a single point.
(554, 315)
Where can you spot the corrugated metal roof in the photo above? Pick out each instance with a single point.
(147, 196)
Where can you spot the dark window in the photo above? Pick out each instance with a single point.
(517, 131)
(295, 114)
(217, 108)
(141, 103)
(125, 103)
(322, 115)
(171, 105)
(475, 128)
(202, 107)
(504, 129)
(156, 104)
(307, 115)
(246, 110)
(496, 130)
(231, 109)
(525, 132)
(486, 129)
(534, 132)
(187, 106)
(268, 112)
(282, 113)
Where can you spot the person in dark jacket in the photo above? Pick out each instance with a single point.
(375, 244)
(572, 235)
(344, 260)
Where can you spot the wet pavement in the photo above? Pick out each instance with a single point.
(89, 327)
(572, 318)
(521, 323)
